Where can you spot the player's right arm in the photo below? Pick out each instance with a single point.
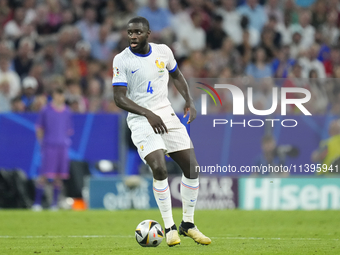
(125, 103)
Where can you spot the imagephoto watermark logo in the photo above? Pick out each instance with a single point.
(239, 104)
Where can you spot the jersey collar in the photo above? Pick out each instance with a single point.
(142, 55)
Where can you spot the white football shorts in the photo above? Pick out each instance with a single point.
(146, 140)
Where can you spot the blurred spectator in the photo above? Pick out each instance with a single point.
(283, 63)
(15, 27)
(29, 87)
(259, 68)
(88, 26)
(203, 9)
(268, 42)
(5, 13)
(36, 72)
(39, 103)
(67, 17)
(159, 19)
(296, 47)
(5, 103)
(50, 61)
(231, 20)
(24, 60)
(215, 34)
(54, 15)
(291, 11)
(304, 3)
(93, 72)
(330, 30)
(9, 80)
(101, 48)
(83, 52)
(332, 61)
(30, 10)
(269, 155)
(283, 29)
(329, 150)
(311, 62)
(68, 37)
(17, 105)
(54, 82)
(272, 25)
(42, 20)
(319, 14)
(94, 96)
(227, 56)
(198, 62)
(191, 38)
(304, 27)
(319, 93)
(272, 9)
(76, 7)
(178, 17)
(246, 47)
(256, 14)
(122, 18)
(74, 97)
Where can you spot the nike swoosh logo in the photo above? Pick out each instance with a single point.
(163, 198)
(134, 71)
(192, 200)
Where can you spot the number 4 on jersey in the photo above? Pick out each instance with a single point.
(149, 90)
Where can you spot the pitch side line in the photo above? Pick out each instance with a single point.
(217, 237)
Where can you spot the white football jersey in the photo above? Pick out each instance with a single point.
(145, 75)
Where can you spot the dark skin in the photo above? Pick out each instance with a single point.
(138, 35)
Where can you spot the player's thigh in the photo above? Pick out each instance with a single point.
(145, 139)
(177, 138)
(49, 164)
(63, 162)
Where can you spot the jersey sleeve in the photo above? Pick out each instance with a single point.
(119, 73)
(172, 64)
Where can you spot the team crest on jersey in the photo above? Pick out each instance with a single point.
(141, 147)
(160, 65)
(115, 72)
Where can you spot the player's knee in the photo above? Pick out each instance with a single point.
(159, 173)
(41, 181)
(57, 183)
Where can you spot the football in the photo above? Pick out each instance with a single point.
(149, 233)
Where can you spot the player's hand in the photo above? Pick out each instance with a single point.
(190, 107)
(156, 123)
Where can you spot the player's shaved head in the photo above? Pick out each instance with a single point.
(142, 20)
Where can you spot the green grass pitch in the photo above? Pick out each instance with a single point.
(232, 232)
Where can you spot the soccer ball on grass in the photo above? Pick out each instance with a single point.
(149, 233)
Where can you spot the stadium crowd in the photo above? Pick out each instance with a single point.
(46, 44)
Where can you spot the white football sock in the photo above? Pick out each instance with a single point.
(189, 193)
(162, 195)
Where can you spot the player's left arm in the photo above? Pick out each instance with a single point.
(183, 88)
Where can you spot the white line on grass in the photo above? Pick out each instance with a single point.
(217, 237)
